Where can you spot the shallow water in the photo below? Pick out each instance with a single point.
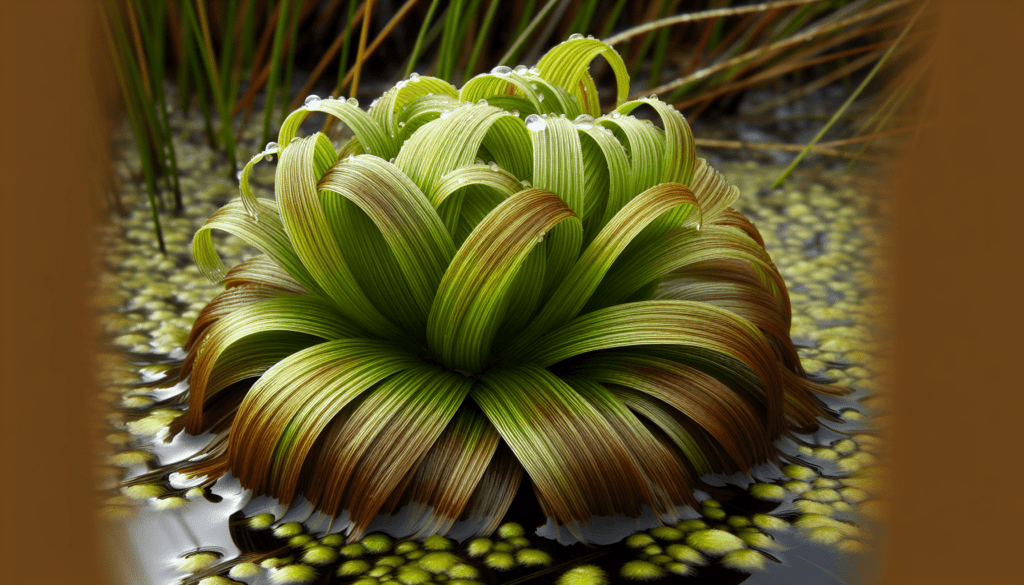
(825, 232)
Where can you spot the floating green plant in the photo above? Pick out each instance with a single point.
(583, 575)
(423, 327)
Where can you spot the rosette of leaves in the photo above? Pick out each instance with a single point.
(423, 327)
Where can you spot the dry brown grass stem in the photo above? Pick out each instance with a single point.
(825, 148)
(772, 48)
(698, 16)
(328, 56)
(361, 53)
(140, 55)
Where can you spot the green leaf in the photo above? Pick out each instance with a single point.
(299, 313)
(493, 495)
(445, 480)
(558, 168)
(412, 229)
(262, 271)
(396, 99)
(266, 234)
(371, 134)
(712, 190)
(672, 483)
(680, 152)
(367, 456)
(452, 141)
(422, 110)
(496, 179)
(567, 64)
(579, 465)
(685, 247)
(727, 416)
(310, 232)
(673, 323)
(491, 86)
(676, 426)
(473, 294)
(586, 274)
(292, 404)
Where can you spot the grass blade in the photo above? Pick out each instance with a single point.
(849, 101)
(275, 67)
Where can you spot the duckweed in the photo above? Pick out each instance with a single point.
(641, 571)
(714, 542)
(583, 575)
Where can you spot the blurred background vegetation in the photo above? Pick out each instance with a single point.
(245, 62)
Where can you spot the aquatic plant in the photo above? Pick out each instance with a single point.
(423, 326)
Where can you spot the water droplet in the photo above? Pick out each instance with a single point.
(400, 84)
(461, 181)
(501, 70)
(520, 69)
(616, 114)
(591, 37)
(238, 175)
(401, 124)
(312, 102)
(698, 226)
(445, 114)
(482, 102)
(374, 102)
(653, 96)
(350, 158)
(406, 141)
(294, 138)
(479, 161)
(352, 102)
(584, 121)
(270, 150)
(515, 113)
(534, 71)
(526, 184)
(535, 123)
(575, 36)
(414, 77)
(392, 161)
(493, 165)
(533, 85)
(540, 97)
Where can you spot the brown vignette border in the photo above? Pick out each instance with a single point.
(958, 301)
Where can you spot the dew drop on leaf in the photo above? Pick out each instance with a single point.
(575, 36)
(535, 123)
(584, 121)
(352, 102)
(501, 70)
(312, 102)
